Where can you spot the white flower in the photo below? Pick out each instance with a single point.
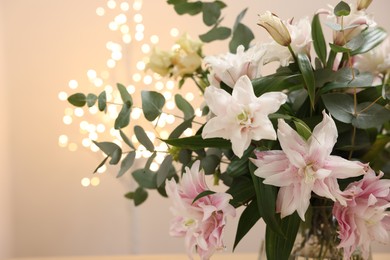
(300, 43)
(275, 27)
(241, 117)
(230, 67)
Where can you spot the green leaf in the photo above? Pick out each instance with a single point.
(123, 118)
(211, 12)
(340, 106)
(203, 194)
(126, 139)
(164, 169)
(145, 178)
(371, 38)
(274, 82)
(116, 156)
(150, 160)
(370, 116)
(308, 76)
(216, 33)
(342, 9)
(139, 196)
(181, 128)
(184, 106)
(143, 138)
(210, 163)
(77, 99)
(101, 164)
(152, 104)
(126, 163)
(239, 166)
(302, 128)
(248, 219)
(110, 149)
(279, 247)
(242, 35)
(102, 101)
(197, 142)
(188, 8)
(338, 48)
(319, 42)
(91, 99)
(266, 201)
(242, 191)
(239, 18)
(345, 79)
(125, 96)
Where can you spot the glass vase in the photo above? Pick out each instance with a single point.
(317, 238)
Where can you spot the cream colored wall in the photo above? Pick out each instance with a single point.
(47, 43)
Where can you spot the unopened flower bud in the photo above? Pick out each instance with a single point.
(363, 4)
(275, 28)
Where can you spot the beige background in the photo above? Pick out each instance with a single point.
(44, 211)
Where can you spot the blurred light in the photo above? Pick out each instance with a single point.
(126, 38)
(94, 148)
(116, 55)
(93, 110)
(159, 85)
(100, 11)
(139, 36)
(111, 4)
(154, 39)
(189, 96)
(140, 27)
(125, 29)
(72, 147)
(86, 142)
(124, 6)
(67, 120)
(85, 182)
(68, 111)
(164, 134)
(63, 140)
(170, 105)
(167, 94)
(100, 128)
(62, 96)
(78, 111)
(97, 82)
(138, 18)
(140, 65)
(136, 113)
(170, 84)
(154, 166)
(95, 181)
(148, 80)
(111, 63)
(198, 112)
(131, 89)
(137, 77)
(170, 119)
(174, 32)
(145, 48)
(73, 84)
(120, 19)
(102, 169)
(84, 125)
(91, 74)
(93, 136)
(188, 132)
(137, 5)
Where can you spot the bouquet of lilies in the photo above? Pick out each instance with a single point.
(317, 129)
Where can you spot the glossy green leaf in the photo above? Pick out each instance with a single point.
(211, 12)
(371, 38)
(248, 219)
(239, 166)
(308, 76)
(138, 196)
(242, 191)
(126, 139)
(125, 96)
(370, 115)
(203, 194)
(242, 35)
(126, 163)
(340, 106)
(91, 99)
(278, 247)
(164, 169)
(266, 201)
(102, 101)
(123, 118)
(145, 178)
(143, 138)
(216, 33)
(319, 42)
(152, 104)
(77, 99)
(184, 106)
(197, 142)
(181, 128)
(342, 9)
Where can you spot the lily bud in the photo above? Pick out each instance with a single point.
(363, 4)
(275, 28)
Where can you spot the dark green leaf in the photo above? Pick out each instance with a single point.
(216, 33)
(242, 35)
(203, 194)
(308, 76)
(164, 169)
(302, 128)
(107, 147)
(101, 164)
(269, 83)
(188, 8)
(319, 42)
(116, 156)
(91, 99)
(126, 139)
(248, 219)
(340, 106)
(338, 48)
(102, 101)
(342, 9)
(242, 191)
(239, 166)
(239, 18)
(143, 138)
(370, 116)
(77, 99)
(266, 201)
(197, 142)
(150, 160)
(184, 106)
(345, 79)
(152, 104)
(125, 96)
(181, 128)
(211, 12)
(123, 118)
(145, 178)
(279, 247)
(126, 163)
(210, 163)
(139, 196)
